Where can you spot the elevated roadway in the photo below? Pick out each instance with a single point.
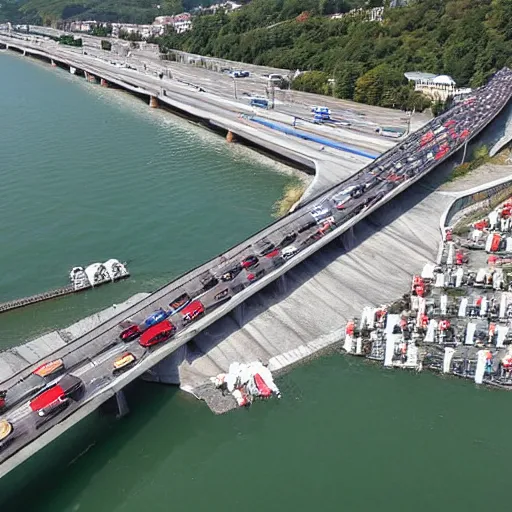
(301, 233)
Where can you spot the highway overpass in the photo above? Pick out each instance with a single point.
(91, 357)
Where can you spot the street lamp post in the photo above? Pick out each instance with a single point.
(234, 87)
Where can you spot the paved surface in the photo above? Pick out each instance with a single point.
(307, 230)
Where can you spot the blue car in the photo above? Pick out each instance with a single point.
(157, 317)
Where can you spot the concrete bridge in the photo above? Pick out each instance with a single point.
(90, 357)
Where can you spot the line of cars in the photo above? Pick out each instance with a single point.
(52, 388)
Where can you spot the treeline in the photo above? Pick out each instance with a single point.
(49, 12)
(467, 39)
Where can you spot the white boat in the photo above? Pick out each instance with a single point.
(97, 274)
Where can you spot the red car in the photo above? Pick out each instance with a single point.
(157, 334)
(273, 254)
(429, 136)
(464, 134)
(193, 311)
(130, 333)
(250, 261)
(56, 398)
(450, 124)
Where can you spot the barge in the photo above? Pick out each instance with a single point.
(81, 278)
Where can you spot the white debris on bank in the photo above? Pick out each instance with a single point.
(246, 382)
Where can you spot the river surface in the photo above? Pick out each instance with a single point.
(87, 174)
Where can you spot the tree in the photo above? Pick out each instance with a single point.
(311, 81)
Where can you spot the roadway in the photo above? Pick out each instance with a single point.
(364, 119)
(91, 357)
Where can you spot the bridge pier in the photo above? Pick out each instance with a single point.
(238, 314)
(103, 83)
(122, 404)
(282, 284)
(153, 102)
(90, 77)
(24, 53)
(230, 137)
(53, 64)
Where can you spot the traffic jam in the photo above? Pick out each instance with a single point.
(57, 388)
(457, 317)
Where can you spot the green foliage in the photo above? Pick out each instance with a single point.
(479, 157)
(101, 30)
(49, 12)
(106, 45)
(311, 81)
(70, 41)
(467, 39)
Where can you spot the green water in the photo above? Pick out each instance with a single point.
(89, 174)
(347, 435)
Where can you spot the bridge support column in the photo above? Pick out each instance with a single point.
(238, 314)
(230, 137)
(282, 284)
(53, 64)
(153, 102)
(122, 404)
(103, 83)
(24, 53)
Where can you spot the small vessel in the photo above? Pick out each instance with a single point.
(97, 274)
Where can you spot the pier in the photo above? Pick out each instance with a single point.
(90, 356)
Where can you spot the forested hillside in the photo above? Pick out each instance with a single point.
(467, 39)
(130, 11)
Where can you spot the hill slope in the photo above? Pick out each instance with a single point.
(467, 39)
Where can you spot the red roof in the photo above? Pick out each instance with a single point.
(46, 398)
(155, 330)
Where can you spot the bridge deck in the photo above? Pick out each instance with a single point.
(91, 356)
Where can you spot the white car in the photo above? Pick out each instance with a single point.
(320, 212)
(289, 252)
(340, 201)
(345, 192)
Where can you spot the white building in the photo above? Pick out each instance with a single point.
(437, 87)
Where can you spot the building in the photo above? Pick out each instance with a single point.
(436, 87)
(375, 14)
(181, 22)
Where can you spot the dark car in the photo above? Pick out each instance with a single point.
(179, 303)
(287, 240)
(130, 333)
(253, 276)
(250, 261)
(307, 226)
(231, 273)
(264, 247)
(222, 295)
(209, 282)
